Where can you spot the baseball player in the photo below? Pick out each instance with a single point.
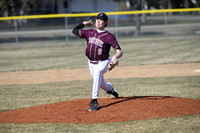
(99, 42)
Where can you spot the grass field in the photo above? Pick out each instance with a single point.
(147, 52)
(150, 51)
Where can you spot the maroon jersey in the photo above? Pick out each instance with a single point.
(98, 44)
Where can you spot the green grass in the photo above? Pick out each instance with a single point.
(42, 58)
(182, 124)
(135, 53)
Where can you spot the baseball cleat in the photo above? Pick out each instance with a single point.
(94, 105)
(113, 91)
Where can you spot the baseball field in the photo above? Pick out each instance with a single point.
(48, 89)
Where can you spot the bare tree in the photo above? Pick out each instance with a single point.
(18, 7)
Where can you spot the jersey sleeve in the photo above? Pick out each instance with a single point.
(76, 29)
(83, 33)
(114, 43)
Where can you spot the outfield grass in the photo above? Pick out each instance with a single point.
(135, 53)
(180, 124)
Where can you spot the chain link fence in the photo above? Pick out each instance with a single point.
(47, 32)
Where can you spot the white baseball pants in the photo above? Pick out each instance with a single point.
(97, 71)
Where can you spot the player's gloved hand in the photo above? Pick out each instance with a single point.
(112, 65)
(88, 23)
(114, 62)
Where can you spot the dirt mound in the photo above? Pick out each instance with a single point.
(111, 110)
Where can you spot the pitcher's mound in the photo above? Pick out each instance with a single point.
(111, 110)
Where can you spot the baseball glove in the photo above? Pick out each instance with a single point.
(112, 65)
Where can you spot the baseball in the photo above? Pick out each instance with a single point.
(90, 23)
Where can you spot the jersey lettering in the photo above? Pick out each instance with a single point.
(96, 41)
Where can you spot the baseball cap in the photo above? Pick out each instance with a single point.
(102, 16)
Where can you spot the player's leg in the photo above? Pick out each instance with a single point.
(109, 88)
(97, 74)
(94, 104)
(97, 71)
(104, 85)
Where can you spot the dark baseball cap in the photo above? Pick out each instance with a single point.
(102, 16)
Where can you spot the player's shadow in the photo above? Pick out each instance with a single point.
(124, 99)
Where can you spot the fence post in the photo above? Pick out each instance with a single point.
(16, 34)
(166, 26)
(66, 28)
(116, 26)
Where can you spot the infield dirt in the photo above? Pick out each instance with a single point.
(61, 75)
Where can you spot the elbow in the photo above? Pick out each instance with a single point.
(73, 31)
(121, 53)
